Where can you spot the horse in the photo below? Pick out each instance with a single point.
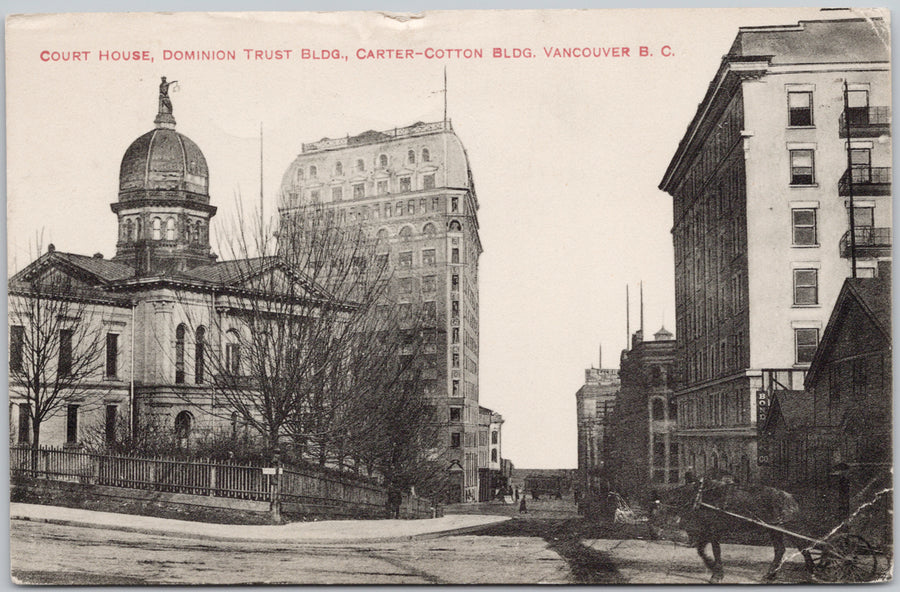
(681, 506)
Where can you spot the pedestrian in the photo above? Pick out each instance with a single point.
(522, 508)
(517, 493)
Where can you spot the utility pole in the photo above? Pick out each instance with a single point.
(850, 180)
(262, 219)
(627, 320)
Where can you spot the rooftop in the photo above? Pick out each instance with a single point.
(419, 128)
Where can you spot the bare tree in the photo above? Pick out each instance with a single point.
(56, 345)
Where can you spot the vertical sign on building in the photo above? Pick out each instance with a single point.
(763, 404)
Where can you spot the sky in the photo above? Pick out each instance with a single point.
(566, 154)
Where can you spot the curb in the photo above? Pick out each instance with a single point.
(238, 539)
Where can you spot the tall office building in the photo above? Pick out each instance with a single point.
(762, 184)
(412, 188)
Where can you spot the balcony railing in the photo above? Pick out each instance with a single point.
(865, 122)
(870, 242)
(866, 181)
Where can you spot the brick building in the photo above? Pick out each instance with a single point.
(761, 190)
(594, 401)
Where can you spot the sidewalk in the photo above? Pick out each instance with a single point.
(325, 531)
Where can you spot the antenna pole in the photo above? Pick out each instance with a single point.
(850, 179)
(642, 309)
(445, 93)
(262, 219)
(627, 320)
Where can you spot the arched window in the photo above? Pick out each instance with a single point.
(233, 353)
(200, 355)
(659, 410)
(494, 455)
(455, 226)
(405, 233)
(170, 229)
(382, 235)
(195, 234)
(426, 156)
(495, 437)
(179, 353)
(138, 230)
(411, 156)
(338, 168)
(157, 229)
(129, 231)
(183, 424)
(383, 161)
(313, 172)
(429, 230)
(299, 175)
(360, 165)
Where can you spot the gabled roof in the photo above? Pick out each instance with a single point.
(239, 273)
(873, 297)
(95, 269)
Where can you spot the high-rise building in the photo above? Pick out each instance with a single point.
(412, 188)
(793, 129)
(594, 403)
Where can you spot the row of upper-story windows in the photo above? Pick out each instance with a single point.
(25, 355)
(803, 166)
(132, 229)
(403, 184)
(407, 233)
(801, 107)
(714, 409)
(359, 165)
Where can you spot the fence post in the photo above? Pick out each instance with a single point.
(95, 469)
(212, 479)
(276, 489)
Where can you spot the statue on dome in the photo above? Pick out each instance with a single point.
(165, 104)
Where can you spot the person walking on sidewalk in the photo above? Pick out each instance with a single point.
(522, 508)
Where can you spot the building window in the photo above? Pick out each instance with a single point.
(426, 155)
(411, 157)
(454, 282)
(112, 413)
(454, 335)
(16, 348)
(658, 410)
(863, 217)
(387, 210)
(200, 355)
(381, 188)
(804, 223)
(805, 341)
(858, 107)
(435, 204)
(404, 184)
(456, 414)
(337, 193)
(405, 259)
(157, 229)
(861, 162)
(802, 167)
(112, 355)
(428, 257)
(428, 283)
(313, 171)
(456, 360)
(383, 161)
(428, 182)
(495, 437)
(455, 440)
(338, 168)
(406, 285)
(314, 196)
(233, 354)
(183, 423)
(179, 354)
(454, 308)
(454, 255)
(454, 204)
(71, 424)
(430, 310)
(455, 226)
(806, 286)
(359, 190)
(455, 391)
(411, 207)
(800, 108)
(64, 367)
(360, 165)
(170, 229)
(494, 455)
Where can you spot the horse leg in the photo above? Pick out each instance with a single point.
(778, 547)
(718, 568)
(803, 547)
(714, 565)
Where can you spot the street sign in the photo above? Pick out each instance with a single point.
(270, 470)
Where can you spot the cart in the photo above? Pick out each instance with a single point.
(839, 557)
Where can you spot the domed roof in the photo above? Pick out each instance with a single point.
(163, 159)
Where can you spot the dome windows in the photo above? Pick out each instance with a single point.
(157, 229)
(383, 161)
(170, 229)
(426, 155)
(411, 157)
(455, 226)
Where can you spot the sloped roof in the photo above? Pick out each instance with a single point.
(873, 297)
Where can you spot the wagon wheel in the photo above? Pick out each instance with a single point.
(848, 558)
